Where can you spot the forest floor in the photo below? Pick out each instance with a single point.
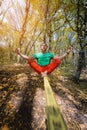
(23, 103)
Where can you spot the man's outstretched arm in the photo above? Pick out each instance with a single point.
(65, 54)
(22, 55)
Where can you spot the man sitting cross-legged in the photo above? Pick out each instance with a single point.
(46, 61)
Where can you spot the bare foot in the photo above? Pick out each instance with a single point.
(44, 74)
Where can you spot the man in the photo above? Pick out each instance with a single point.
(46, 61)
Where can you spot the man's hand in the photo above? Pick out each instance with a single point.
(69, 49)
(17, 51)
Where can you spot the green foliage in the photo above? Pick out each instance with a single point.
(52, 20)
(4, 58)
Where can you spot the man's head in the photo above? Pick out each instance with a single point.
(43, 47)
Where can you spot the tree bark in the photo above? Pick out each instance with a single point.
(80, 65)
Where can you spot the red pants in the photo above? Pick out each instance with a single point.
(49, 68)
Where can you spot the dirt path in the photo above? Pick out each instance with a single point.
(22, 100)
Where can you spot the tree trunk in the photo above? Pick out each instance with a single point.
(82, 34)
(80, 65)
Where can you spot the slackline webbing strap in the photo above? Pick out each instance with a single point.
(55, 120)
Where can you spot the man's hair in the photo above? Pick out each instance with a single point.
(44, 43)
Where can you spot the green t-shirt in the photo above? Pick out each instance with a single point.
(44, 59)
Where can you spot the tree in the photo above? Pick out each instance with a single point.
(82, 36)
